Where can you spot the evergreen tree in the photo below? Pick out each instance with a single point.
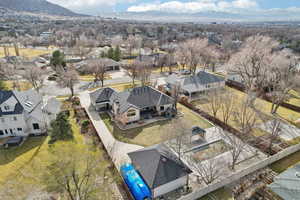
(117, 54)
(110, 53)
(60, 128)
(58, 60)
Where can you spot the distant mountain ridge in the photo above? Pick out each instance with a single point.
(37, 6)
(209, 16)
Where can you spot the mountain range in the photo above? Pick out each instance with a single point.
(37, 6)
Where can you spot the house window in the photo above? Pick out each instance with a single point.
(35, 126)
(6, 107)
(2, 120)
(162, 108)
(1, 132)
(15, 118)
(131, 113)
(20, 129)
(6, 132)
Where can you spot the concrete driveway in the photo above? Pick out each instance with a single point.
(116, 149)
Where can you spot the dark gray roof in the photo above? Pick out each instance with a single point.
(101, 95)
(158, 165)
(26, 100)
(142, 97)
(203, 78)
(194, 82)
(287, 184)
(5, 95)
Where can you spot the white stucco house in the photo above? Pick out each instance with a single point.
(134, 104)
(160, 168)
(22, 114)
(195, 86)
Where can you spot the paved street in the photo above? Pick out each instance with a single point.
(117, 150)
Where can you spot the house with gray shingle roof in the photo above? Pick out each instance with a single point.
(195, 86)
(134, 104)
(161, 169)
(21, 114)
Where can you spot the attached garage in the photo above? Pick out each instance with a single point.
(160, 168)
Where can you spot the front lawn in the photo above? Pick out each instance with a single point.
(26, 52)
(153, 133)
(23, 85)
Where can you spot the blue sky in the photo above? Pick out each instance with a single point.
(98, 6)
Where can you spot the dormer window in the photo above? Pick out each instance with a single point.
(6, 108)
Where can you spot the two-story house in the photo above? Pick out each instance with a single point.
(21, 114)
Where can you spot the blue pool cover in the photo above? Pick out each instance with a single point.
(135, 183)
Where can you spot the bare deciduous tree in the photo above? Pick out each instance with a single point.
(252, 64)
(245, 118)
(177, 135)
(35, 76)
(235, 145)
(226, 106)
(132, 70)
(144, 72)
(98, 69)
(215, 102)
(68, 79)
(208, 170)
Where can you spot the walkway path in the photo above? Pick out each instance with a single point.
(116, 149)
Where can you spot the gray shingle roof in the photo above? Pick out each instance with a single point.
(158, 165)
(101, 95)
(26, 100)
(194, 82)
(142, 97)
(287, 184)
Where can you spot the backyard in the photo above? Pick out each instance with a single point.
(153, 133)
(263, 107)
(35, 155)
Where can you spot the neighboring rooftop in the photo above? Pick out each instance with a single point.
(287, 184)
(194, 82)
(158, 165)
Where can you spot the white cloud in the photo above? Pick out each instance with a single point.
(89, 5)
(195, 6)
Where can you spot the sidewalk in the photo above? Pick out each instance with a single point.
(116, 149)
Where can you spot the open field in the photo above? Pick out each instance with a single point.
(91, 77)
(154, 133)
(24, 85)
(262, 106)
(26, 52)
(36, 152)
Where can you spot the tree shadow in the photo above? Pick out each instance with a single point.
(10, 154)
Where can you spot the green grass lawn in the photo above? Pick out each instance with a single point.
(220, 194)
(36, 152)
(286, 162)
(153, 133)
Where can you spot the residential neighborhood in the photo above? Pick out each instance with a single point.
(149, 104)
